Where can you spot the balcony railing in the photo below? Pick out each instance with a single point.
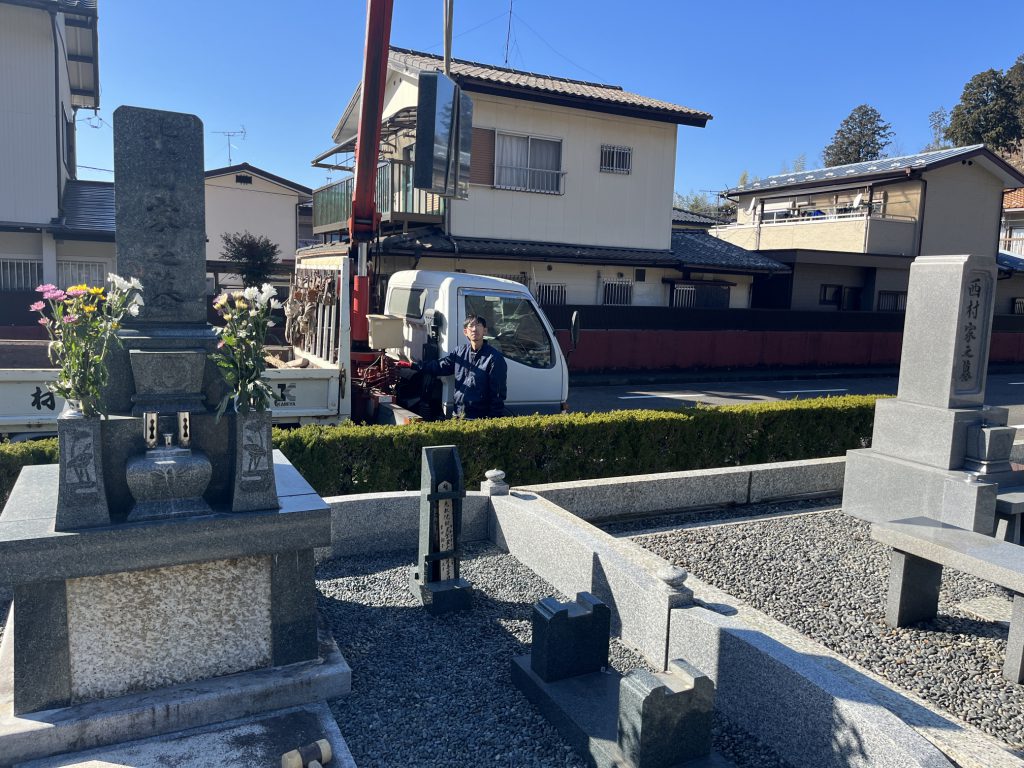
(854, 232)
(1013, 245)
(397, 200)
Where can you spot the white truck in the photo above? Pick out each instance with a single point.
(423, 316)
(423, 313)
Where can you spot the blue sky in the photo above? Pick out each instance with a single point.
(778, 77)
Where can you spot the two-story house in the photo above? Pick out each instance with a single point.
(244, 198)
(850, 232)
(53, 227)
(567, 193)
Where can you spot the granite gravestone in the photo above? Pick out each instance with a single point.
(182, 590)
(937, 451)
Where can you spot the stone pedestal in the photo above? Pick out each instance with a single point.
(935, 449)
(108, 613)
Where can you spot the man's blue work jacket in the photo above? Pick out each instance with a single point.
(480, 386)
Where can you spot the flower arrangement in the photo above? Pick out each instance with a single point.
(82, 321)
(239, 354)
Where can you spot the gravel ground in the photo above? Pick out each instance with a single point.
(822, 575)
(436, 691)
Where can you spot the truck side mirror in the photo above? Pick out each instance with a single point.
(574, 329)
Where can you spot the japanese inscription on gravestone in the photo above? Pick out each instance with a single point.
(973, 334)
(161, 228)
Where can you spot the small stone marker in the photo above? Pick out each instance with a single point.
(434, 578)
(665, 718)
(570, 639)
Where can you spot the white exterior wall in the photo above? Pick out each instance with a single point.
(621, 210)
(67, 169)
(962, 208)
(261, 208)
(28, 144)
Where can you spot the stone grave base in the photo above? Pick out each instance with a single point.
(167, 710)
(253, 741)
(585, 710)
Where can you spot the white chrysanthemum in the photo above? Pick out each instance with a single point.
(136, 284)
(242, 334)
(268, 291)
(275, 304)
(133, 310)
(118, 282)
(250, 293)
(271, 324)
(137, 300)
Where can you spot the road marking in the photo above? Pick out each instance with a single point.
(1011, 383)
(804, 391)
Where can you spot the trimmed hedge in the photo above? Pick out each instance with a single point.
(544, 449)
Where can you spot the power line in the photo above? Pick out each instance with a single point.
(556, 51)
(94, 168)
(508, 34)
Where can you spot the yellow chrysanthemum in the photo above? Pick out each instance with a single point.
(81, 287)
(89, 308)
(96, 291)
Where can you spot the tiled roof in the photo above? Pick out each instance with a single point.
(840, 173)
(1013, 198)
(431, 242)
(689, 249)
(88, 209)
(1009, 261)
(683, 216)
(470, 73)
(693, 248)
(246, 168)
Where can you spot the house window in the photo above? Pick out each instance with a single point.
(830, 294)
(551, 294)
(615, 159)
(618, 292)
(892, 301)
(76, 272)
(243, 178)
(640, 275)
(528, 164)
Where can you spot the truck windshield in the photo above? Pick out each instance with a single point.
(406, 302)
(513, 327)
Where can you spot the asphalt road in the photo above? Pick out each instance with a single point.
(1003, 389)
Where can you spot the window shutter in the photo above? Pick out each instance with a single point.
(481, 167)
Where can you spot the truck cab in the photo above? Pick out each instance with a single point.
(423, 315)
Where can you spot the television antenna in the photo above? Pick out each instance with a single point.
(228, 135)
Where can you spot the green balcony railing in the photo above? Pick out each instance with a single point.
(397, 199)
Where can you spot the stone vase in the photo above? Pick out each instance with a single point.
(253, 485)
(81, 494)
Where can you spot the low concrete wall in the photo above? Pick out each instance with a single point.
(807, 709)
(573, 556)
(612, 497)
(383, 522)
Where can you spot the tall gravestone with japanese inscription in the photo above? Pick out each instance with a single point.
(937, 450)
(169, 548)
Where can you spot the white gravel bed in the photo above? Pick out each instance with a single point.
(436, 691)
(822, 575)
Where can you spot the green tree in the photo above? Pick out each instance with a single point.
(988, 113)
(800, 163)
(862, 136)
(254, 254)
(939, 122)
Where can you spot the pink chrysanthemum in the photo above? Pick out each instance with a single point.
(43, 321)
(75, 292)
(37, 306)
(70, 319)
(46, 288)
(55, 295)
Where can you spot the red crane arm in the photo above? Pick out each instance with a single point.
(363, 225)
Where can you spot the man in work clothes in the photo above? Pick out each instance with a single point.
(480, 372)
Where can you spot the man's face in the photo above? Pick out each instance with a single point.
(475, 334)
